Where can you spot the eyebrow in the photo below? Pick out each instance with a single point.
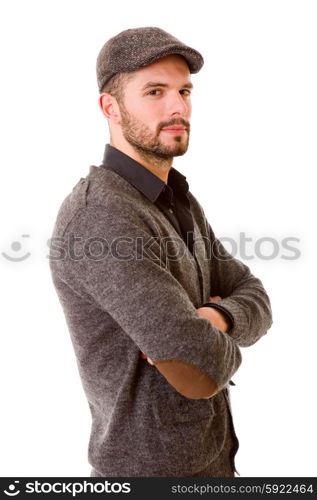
(188, 85)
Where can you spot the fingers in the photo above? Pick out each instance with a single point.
(144, 356)
(216, 298)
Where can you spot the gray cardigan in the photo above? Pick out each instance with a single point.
(128, 283)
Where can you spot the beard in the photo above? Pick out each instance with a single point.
(148, 143)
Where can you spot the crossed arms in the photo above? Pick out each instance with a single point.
(196, 350)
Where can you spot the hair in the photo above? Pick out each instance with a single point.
(115, 86)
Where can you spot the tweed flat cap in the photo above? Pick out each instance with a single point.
(135, 48)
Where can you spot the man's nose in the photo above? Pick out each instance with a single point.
(177, 104)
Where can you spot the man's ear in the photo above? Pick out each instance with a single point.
(109, 107)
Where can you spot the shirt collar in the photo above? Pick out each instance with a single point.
(142, 178)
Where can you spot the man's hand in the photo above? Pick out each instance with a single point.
(216, 317)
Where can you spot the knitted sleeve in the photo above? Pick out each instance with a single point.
(244, 298)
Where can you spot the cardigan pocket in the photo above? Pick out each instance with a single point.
(171, 408)
(188, 432)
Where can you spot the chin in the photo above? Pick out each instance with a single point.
(177, 149)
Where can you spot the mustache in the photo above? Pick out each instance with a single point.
(175, 121)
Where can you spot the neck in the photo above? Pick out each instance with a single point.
(158, 166)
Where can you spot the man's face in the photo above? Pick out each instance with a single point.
(156, 108)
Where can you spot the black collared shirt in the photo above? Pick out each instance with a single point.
(170, 197)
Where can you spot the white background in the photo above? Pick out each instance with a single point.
(251, 164)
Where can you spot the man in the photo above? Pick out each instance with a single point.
(156, 308)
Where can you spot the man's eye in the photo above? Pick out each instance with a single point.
(185, 91)
(153, 92)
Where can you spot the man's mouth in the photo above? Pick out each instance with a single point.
(174, 129)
